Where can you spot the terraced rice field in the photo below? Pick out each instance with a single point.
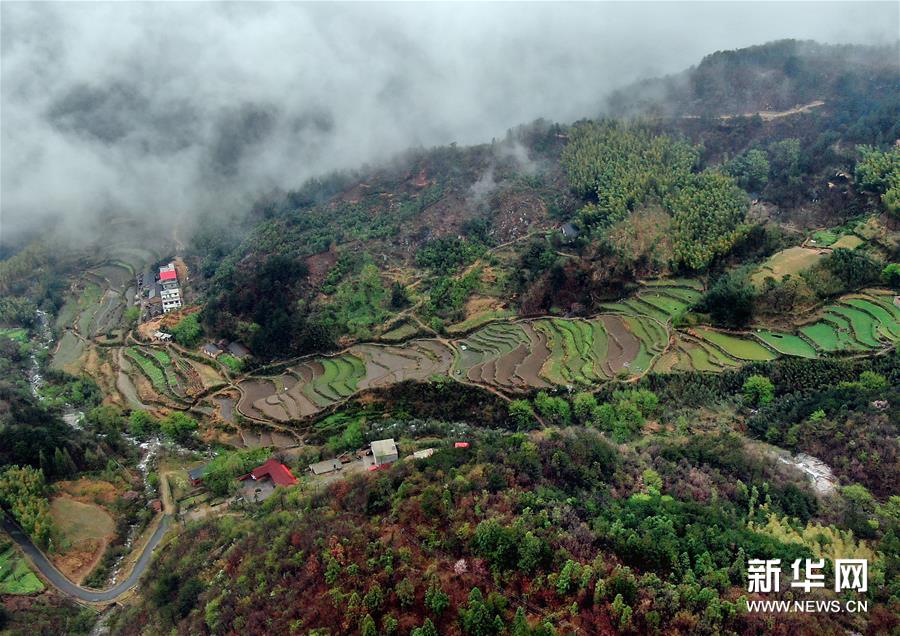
(16, 577)
(788, 344)
(859, 322)
(736, 347)
(631, 337)
(662, 300)
(316, 383)
(68, 352)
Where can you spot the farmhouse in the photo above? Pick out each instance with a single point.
(384, 451)
(212, 350)
(238, 350)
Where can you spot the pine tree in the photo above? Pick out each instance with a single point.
(427, 629)
(367, 626)
(44, 463)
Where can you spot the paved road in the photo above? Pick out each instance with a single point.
(64, 585)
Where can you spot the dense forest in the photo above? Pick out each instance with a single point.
(560, 530)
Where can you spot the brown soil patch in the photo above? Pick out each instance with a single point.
(481, 304)
(319, 266)
(623, 345)
(517, 212)
(444, 218)
(208, 375)
(530, 368)
(145, 390)
(506, 366)
(89, 491)
(86, 529)
(302, 404)
(271, 407)
(253, 392)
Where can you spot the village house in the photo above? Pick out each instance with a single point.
(213, 351)
(274, 471)
(262, 480)
(384, 451)
(238, 350)
(170, 292)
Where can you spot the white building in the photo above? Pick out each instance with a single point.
(170, 292)
(384, 451)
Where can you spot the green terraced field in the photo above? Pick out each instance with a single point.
(670, 306)
(862, 324)
(489, 343)
(700, 358)
(160, 355)
(150, 368)
(340, 377)
(844, 331)
(888, 325)
(740, 348)
(687, 294)
(617, 308)
(553, 367)
(823, 335)
(692, 283)
(888, 303)
(651, 333)
(642, 307)
(15, 575)
(788, 344)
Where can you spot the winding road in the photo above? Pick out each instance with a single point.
(64, 585)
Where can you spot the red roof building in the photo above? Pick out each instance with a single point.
(461, 445)
(168, 274)
(273, 469)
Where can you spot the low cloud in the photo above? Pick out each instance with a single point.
(179, 109)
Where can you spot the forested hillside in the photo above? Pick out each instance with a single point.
(446, 235)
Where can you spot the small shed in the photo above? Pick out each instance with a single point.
(326, 466)
(423, 454)
(461, 445)
(569, 231)
(195, 475)
(238, 350)
(384, 451)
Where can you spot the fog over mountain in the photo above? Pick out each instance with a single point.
(168, 109)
